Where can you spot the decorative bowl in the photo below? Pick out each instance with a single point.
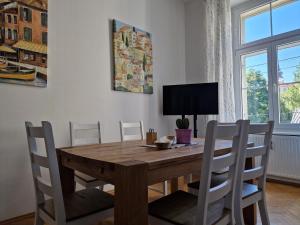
(163, 145)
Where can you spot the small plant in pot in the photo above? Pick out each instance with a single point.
(183, 133)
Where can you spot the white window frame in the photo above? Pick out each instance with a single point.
(269, 43)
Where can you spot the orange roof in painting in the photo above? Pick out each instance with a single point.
(4, 48)
(41, 4)
(32, 47)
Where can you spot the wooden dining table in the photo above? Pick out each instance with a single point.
(132, 167)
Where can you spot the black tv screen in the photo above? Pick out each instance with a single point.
(191, 99)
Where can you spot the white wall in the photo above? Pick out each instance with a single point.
(194, 37)
(79, 87)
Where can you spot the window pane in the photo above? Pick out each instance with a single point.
(285, 16)
(289, 82)
(256, 24)
(255, 87)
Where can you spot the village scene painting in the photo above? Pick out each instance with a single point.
(23, 42)
(133, 66)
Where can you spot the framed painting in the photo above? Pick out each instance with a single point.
(133, 65)
(23, 42)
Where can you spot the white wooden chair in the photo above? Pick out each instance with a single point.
(212, 205)
(83, 207)
(246, 193)
(124, 126)
(77, 139)
(249, 194)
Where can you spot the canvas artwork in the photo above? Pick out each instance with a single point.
(133, 68)
(23, 42)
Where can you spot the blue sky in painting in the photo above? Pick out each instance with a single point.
(285, 18)
(120, 24)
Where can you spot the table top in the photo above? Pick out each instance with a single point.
(135, 152)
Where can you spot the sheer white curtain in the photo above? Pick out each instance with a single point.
(217, 55)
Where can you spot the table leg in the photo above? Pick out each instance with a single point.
(250, 212)
(174, 184)
(131, 194)
(66, 178)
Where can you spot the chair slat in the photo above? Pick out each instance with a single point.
(85, 141)
(132, 137)
(44, 187)
(258, 128)
(253, 173)
(40, 160)
(131, 125)
(223, 161)
(220, 191)
(36, 132)
(225, 131)
(78, 126)
(255, 151)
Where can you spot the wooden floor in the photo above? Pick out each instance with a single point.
(283, 205)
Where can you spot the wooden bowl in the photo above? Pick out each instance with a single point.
(163, 145)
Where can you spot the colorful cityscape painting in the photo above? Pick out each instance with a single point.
(133, 66)
(23, 42)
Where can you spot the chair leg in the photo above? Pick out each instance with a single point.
(38, 220)
(239, 217)
(262, 205)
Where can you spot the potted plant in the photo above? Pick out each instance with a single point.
(183, 133)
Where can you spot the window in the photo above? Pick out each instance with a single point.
(15, 35)
(44, 59)
(15, 20)
(9, 34)
(27, 34)
(25, 14)
(9, 18)
(28, 56)
(288, 78)
(44, 19)
(255, 86)
(271, 19)
(44, 38)
(267, 61)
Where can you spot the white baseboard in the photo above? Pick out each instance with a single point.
(284, 179)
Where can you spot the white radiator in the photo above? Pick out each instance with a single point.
(284, 157)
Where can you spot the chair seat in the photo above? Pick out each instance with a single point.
(248, 189)
(180, 208)
(81, 204)
(86, 178)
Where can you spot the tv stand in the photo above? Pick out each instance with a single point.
(195, 126)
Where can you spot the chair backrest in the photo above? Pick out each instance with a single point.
(42, 188)
(211, 163)
(131, 137)
(259, 171)
(77, 129)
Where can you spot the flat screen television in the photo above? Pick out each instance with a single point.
(191, 99)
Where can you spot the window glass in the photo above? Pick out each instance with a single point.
(256, 24)
(44, 38)
(285, 16)
(9, 18)
(44, 19)
(9, 34)
(27, 34)
(289, 82)
(255, 87)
